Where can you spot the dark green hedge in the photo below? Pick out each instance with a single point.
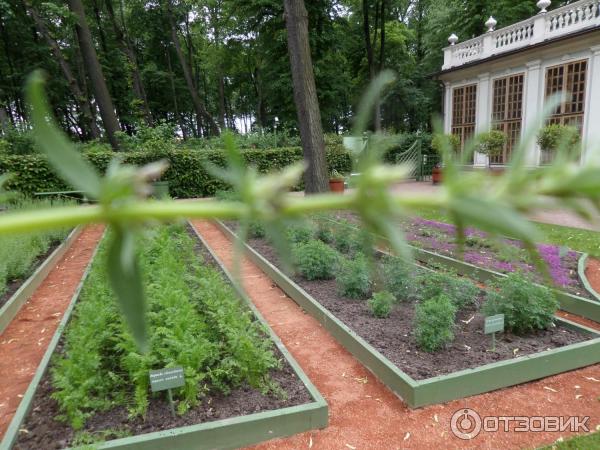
(186, 175)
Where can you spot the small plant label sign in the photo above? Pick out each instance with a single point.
(163, 379)
(493, 325)
(167, 379)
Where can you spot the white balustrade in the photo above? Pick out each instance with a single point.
(561, 21)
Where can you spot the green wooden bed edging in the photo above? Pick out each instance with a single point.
(229, 433)
(13, 305)
(583, 277)
(446, 387)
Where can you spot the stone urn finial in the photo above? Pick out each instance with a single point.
(543, 5)
(491, 24)
(453, 39)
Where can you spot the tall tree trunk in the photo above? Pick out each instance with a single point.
(221, 101)
(187, 73)
(178, 117)
(369, 43)
(94, 70)
(129, 52)
(90, 126)
(305, 96)
(4, 120)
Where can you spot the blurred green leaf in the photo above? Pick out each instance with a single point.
(65, 160)
(126, 281)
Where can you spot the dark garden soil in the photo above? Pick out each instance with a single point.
(394, 336)
(13, 286)
(501, 255)
(42, 430)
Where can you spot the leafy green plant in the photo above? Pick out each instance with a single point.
(434, 323)
(491, 143)
(553, 137)
(525, 305)
(398, 277)
(440, 142)
(381, 304)
(461, 291)
(335, 175)
(324, 231)
(256, 230)
(315, 260)
(353, 277)
(300, 232)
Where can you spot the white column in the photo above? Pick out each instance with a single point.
(483, 121)
(533, 104)
(447, 107)
(591, 141)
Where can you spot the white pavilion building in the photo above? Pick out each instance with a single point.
(501, 79)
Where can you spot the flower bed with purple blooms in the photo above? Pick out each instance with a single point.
(500, 255)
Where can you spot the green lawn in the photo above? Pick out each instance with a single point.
(577, 239)
(586, 442)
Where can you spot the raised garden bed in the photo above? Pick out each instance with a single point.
(283, 403)
(465, 367)
(588, 306)
(19, 290)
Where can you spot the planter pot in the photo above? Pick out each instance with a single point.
(161, 189)
(436, 175)
(336, 186)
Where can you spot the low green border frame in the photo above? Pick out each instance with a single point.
(13, 305)
(446, 387)
(583, 277)
(229, 433)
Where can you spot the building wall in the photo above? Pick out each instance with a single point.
(533, 65)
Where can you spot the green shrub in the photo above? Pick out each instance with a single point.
(461, 291)
(187, 174)
(324, 232)
(381, 304)
(555, 136)
(256, 230)
(315, 260)
(440, 142)
(525, 305)
(349, 239)
(398, 277)
(434, 323)
(300, 233)
(491, 143)
(353, 278)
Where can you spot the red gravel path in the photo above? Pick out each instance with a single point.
(364, 414)
(24, 341)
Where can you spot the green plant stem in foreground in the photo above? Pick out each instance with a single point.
(20, 222)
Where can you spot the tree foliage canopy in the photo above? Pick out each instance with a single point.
(236, 54)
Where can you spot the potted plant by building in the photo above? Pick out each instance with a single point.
(336, 181)
(555, 137)
(438, 143)
(491, 144)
